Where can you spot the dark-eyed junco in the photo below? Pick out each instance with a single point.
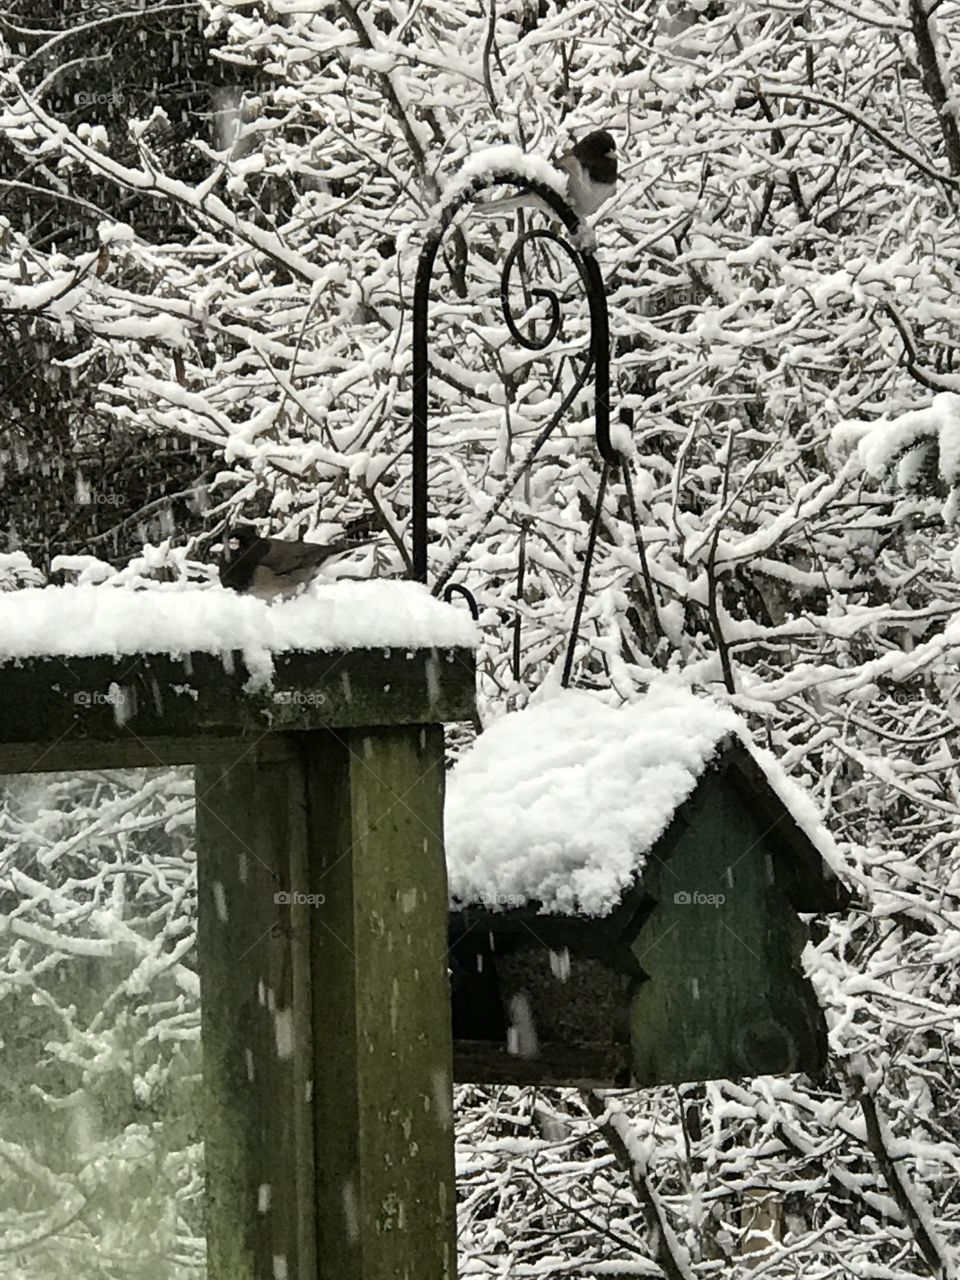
(591, 166)
(271, 568)
(591, 170)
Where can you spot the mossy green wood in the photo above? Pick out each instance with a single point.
(255, 1011)
(326, 1023)
(725, 996)
(326, 1026)
(383, 1080)
(158, 709)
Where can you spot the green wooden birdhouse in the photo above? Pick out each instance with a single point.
(627, 886)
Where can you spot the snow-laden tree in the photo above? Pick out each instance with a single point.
(781, 263)
(100, 1171)
(71, 479)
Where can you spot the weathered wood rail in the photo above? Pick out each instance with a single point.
(327, 1051)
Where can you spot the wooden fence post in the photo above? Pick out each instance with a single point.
(382, 1028)
(326, 1016)
(255, 1012)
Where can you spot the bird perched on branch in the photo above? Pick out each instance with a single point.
(272, 568)
(590, 167)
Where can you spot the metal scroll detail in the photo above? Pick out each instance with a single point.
(597, 358)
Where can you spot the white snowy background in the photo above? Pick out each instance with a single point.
(781, 266)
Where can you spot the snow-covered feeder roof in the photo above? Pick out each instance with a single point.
(560, 804)
(173, 618)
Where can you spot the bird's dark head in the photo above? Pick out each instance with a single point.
(597, 152)
(237, 541)
(238, 558)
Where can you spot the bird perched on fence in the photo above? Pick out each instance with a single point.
(272, 568)
(590, 167)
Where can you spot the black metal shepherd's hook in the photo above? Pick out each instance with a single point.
(597, 360)
(598, 356)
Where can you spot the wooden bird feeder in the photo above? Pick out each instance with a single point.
(688, 967)
(316, 732)
(315, 729)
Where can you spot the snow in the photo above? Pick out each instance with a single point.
(283, 1033)
(561, 802)
(559, 964)
(494, 161)
(747, 323)
(522, 1039)
(880, 443)
(16, 570)
(493, 164)
(641, 1153)
(174, 618)
(115, 232)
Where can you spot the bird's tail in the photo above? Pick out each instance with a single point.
(510, 204)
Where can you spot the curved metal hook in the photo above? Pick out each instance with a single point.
(556, 317)
(598, 357)
(455, 589)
